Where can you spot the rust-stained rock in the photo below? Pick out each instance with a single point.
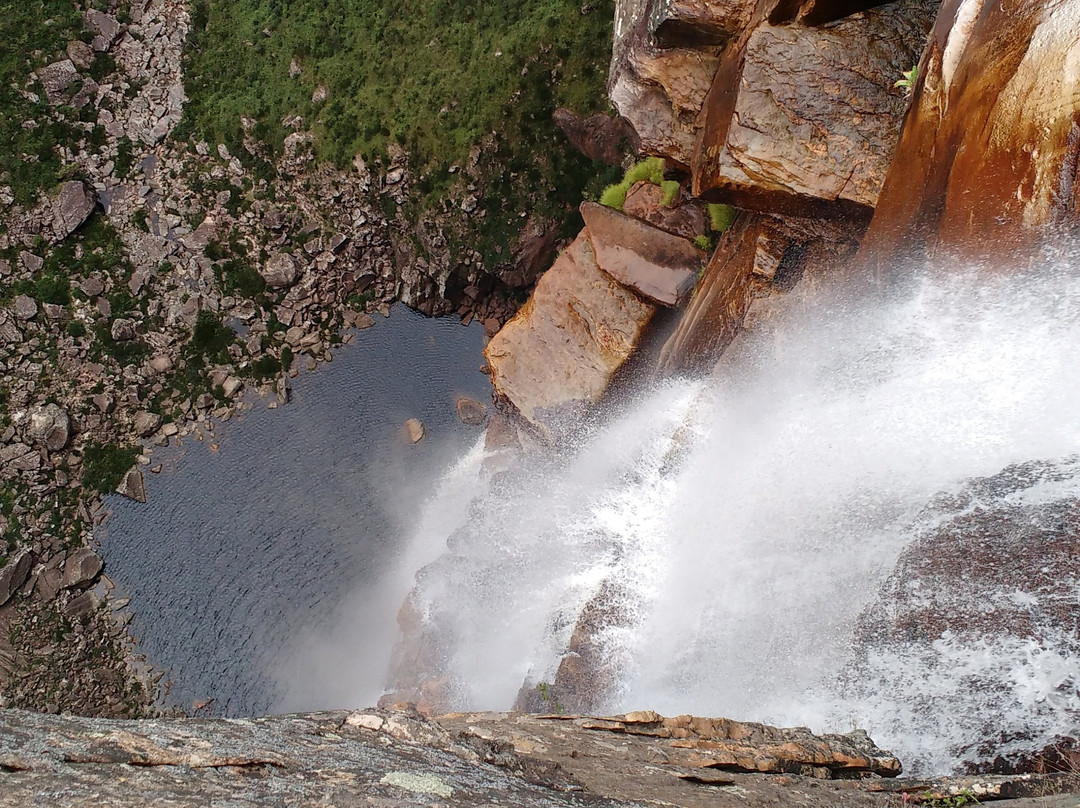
(818, 12)
(557, 355)
(658, 92)
(803, 120)
(656, 264)
(987, 161)
(688, 218)
(720, 301)
(698, 23)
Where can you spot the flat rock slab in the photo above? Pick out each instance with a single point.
(557, 355)
(654, 263)
(804, 117)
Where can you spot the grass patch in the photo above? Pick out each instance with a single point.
(651, 169)
(433, 76)
(105, 464)
(721, 217)
(35, 33)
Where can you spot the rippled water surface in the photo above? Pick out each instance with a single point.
(244, 551)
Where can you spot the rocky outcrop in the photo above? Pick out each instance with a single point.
(598, 136)
(987, 162)
(981, 610)
(803, 119)
(557, 355)
(71, 208)
(658, 265)
(399, 758)
(658, 91)
(49, 426)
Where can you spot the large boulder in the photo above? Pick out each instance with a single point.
(14, 574)
(987, 161)
(698, 23)
(658, 91)
(558, 354)
(280, 270)
(72, 206)
(803, 120)
(658, 265)
(49, 426)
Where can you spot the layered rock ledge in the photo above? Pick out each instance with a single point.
(381, 758)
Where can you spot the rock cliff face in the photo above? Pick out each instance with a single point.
(987, 162)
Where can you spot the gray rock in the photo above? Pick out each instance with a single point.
(81, 605)
(81, 54)
(9, 332)
(71, 208)
(14, 574)
(47, 585)
(146, 423)
(81, 569)
(31, 262)
(280, 270)
(471, 412)
(49, 426)
(133, 486)
(92, 286)
(106, 27)
(25, 307)
(122, 329)
(56, 78)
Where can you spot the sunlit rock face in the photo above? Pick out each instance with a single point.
(803, 119)
(559, 352)
(987, 160)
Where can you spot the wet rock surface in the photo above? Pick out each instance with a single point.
(559, 352)
(377, 757)
(987, 162)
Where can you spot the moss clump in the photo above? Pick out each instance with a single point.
(721, 217)
(651, 169)
(105, 464)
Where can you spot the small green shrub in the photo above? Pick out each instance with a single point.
(105, 464)
(651, 169)
(703, 242)
(910, 77)
(265, 367)
(721, 217)
(209, 337)
(76, 329)
(671, 190)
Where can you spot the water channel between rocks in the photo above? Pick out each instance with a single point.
(244, 550)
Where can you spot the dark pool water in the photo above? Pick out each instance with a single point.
(244, 549)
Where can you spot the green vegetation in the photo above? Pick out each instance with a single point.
(104, 465)
(209, 338)
(721, 217)
(910, 77)
(958, 800)
(703, 242)
(651, 169)
(435, 77)
(35, 33)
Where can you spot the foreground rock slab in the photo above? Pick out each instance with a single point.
(558, 354)
(398, 758)
(654, 263)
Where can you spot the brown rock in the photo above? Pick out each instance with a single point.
(658, 265)
(659, 93)
(122, 329)
(987, 162)
(107, 28)
(81, 54)
(698, 23)
(804, 120)
(71, 208)
(557, 355)
(82, 605)
(280, 270)
(414, 428)
(133, 486)
(470, 411)
(14, 574)
(598, 137)
(719, 304)
(81, 569)
(645, 201)
(146, 423)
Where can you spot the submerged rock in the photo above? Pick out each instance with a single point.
(558, 354)
(414, 428)
(470, 411)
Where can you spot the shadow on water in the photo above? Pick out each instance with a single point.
(244, 549)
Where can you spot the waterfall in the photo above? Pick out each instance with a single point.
(738, 526)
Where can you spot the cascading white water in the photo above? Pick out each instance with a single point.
(748, 519)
